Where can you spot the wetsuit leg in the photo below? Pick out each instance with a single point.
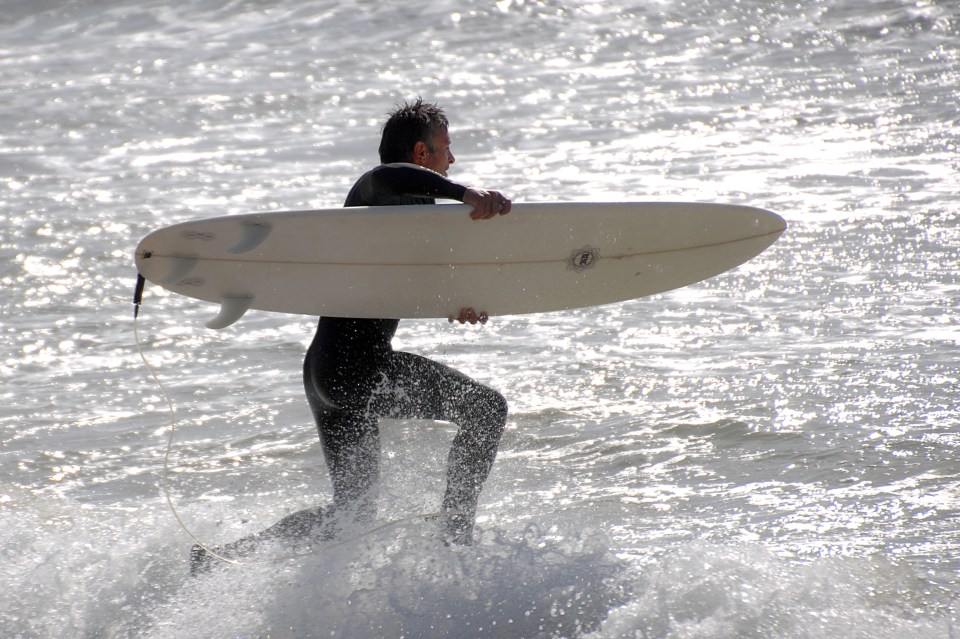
(416, 387)
(350, 439)
(351, 448)
(347, 405)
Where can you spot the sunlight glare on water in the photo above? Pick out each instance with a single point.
(769, 453)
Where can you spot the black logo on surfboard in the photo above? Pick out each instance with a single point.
(582, 259)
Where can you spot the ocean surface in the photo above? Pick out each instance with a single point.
(772, 453)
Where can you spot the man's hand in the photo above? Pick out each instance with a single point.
(486, 204)
(470, 315)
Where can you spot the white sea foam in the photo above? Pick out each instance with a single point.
(771, 453)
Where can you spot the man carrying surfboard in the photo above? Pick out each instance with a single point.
(353, 377)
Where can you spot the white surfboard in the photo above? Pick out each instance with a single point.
(432, 260)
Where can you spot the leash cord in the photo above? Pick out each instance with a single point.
(165, 474)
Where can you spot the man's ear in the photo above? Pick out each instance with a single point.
(420, 152)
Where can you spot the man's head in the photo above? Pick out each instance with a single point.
(417, 133)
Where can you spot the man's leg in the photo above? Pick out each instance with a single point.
(416, 387)
(348, 432)
(351, 448)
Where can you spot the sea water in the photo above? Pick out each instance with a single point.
(770, 453)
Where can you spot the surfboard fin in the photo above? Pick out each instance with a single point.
(252, 236)
(232, 308)
(180, 267)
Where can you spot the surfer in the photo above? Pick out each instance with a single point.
(353, 377)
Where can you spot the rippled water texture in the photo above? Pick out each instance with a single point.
(770, 453)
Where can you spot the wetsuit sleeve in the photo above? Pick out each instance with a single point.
(393, 180)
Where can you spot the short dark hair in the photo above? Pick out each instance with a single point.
(408, 124)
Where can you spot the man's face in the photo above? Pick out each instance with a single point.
(438, 156)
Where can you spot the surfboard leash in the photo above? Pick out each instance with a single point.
(138, 294)
(164, 476)
(165, 473)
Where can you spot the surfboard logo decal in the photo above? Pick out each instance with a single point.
(203, 236)
(582, 259)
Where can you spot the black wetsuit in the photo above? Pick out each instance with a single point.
(353, 377)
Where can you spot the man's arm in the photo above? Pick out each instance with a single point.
(416, 181)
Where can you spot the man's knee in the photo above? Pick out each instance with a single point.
(490, 409)
(498, 406)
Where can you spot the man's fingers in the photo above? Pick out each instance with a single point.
(470, 315)
(487, 204)
(464, 316)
